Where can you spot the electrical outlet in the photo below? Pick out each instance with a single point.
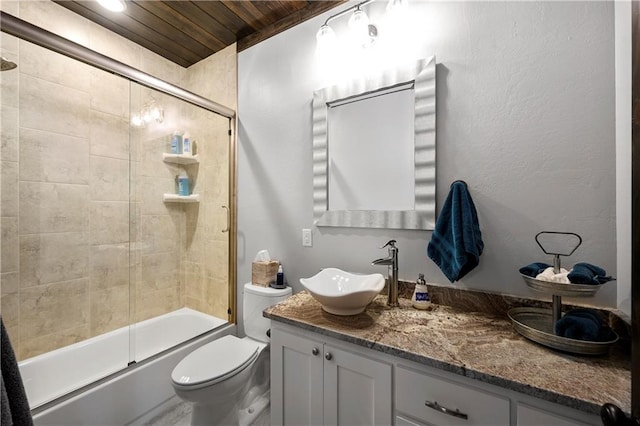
(307, 239)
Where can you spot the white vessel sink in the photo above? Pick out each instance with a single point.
(343, 293)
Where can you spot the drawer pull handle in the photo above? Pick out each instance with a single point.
(434, 405)
(328, 356)
(315, 351)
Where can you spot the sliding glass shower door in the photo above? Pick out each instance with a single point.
(65, 216)
(180, 240)
(103, 261)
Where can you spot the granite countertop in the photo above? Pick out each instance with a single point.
(473, 344)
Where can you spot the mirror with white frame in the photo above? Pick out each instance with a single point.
(374, 150)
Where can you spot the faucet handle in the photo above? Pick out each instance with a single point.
(391, 243)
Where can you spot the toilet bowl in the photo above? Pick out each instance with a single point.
(227, 380)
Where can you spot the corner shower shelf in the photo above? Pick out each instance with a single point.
(180, 158)
(175, 198)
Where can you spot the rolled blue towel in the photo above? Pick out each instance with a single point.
(585, 273)
(583, 324)
(533, 269)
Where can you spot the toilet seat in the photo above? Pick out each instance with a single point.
(215, 362)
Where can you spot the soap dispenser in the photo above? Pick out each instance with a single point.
(420, 299)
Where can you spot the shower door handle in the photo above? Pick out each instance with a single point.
(228, 218)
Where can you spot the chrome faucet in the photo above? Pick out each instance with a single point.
(392, 263)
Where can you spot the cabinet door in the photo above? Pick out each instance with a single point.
(357, 390)
(296, 380)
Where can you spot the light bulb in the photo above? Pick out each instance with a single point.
(395, 7)
(325, 39)
(359, 27)
(359, 22)
(113, 5)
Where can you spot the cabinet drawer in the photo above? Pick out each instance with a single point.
(530, 416)
(415, 389)
(401, 421)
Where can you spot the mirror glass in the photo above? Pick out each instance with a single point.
(374, 150)
(371, 152)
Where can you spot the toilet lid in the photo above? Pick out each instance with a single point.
(215, 361)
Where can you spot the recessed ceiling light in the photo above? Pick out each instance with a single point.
(113, 5)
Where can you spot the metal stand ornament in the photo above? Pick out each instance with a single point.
(537, 324)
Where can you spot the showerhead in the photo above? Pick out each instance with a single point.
(7, 65)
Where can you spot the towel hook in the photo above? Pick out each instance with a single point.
(461, 181)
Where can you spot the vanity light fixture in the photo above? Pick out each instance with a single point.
(363, 32)
(113, 5)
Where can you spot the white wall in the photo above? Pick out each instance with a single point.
(623, 151)
(526, 114)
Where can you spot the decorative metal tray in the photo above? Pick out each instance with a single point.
(561, 289)
(537, 324)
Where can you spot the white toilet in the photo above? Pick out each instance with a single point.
(227, 380)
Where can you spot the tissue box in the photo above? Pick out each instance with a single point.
(264, 273)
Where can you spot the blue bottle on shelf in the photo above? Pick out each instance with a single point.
(183, 185)
(176, 143)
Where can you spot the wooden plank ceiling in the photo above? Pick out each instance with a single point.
(186, 32)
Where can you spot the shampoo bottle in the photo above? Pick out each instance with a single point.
(176, 142)
(183, 184)
(420, 299)
(186, 144)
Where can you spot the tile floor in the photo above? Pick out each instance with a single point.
(180, 415)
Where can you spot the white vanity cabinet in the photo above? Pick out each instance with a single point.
(318, 380)
(314, 383)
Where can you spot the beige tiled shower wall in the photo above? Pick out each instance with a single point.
(78, 257)
(207, 256)
(158, 234)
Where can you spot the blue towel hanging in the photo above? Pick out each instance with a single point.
(456, 243)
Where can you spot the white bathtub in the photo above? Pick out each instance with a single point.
(126, 396)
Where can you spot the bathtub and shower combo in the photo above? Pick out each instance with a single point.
(85, 383)
(112, 276)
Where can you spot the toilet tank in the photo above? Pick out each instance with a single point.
(255, 300)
